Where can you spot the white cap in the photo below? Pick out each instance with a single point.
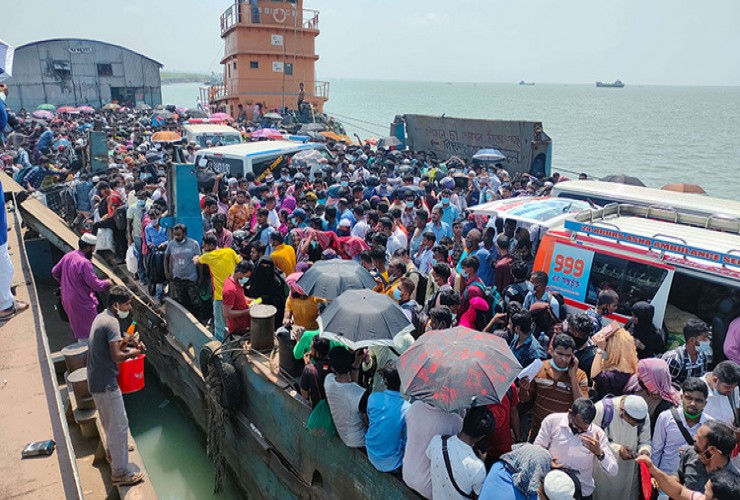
(635, 407)
(559, 486)
(96, 178)
(345, 223)
(89, 239)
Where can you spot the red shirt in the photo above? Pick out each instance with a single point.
(233, 295)
(500, 440)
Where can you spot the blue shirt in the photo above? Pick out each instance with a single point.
(3, 219)
(485, 270)
(500, 486)
(528, 351)
(449, 213)
(385, 440)
(440, 232)
(155, 237)
(547, 297)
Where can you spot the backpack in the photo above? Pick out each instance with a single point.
(562, 314)
(420, 291)
(516, 292)
(119, 217)
(609, 416)
(415, 319)
(491, 296)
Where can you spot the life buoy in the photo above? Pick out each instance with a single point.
(283, 15)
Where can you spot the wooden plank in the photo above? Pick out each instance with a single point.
(10, 187)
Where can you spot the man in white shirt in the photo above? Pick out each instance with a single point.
(343, 396)
(668, 438)
(423, 422)
(574, 442)
(723, 403)
(361, 226)
(272, 218)
(457, 469)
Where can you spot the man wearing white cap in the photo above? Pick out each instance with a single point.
(626, 422)
(75, 274)
(558, 486)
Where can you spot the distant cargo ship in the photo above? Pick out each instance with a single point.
(526, 83)
(617, 84)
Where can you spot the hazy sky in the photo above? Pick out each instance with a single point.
(679, 42)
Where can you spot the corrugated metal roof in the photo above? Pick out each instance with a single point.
(54, 40)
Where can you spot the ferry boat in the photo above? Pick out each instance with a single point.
(616, 84)
(528, 84)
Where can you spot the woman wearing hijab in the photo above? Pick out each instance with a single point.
(653, 383)
(518, 474)
(475, 316)
(268, 284)
(300, 308)
(615, 361)
(648, 339)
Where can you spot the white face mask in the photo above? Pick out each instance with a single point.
(704, 347)
(122, 314)
(530, 286)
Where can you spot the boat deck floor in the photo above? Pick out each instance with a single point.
(29, 409)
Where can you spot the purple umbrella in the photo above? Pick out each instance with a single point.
(43, 114)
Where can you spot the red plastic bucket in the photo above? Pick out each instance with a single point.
(131, 374)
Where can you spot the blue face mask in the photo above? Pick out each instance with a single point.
(141, 203)
(557, 368)
(397, 294)
(445, 200)
(344, 184)
(410, 204)
(434, 262)
(704, 347)
(243, 281)
(464, 274)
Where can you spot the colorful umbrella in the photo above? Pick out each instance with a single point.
(684, 188)
(43, 114)
(266, 133)
(331, 278)
(86, 109)
(361, 318)
(166, 136)
(68, 109)
(46, 107)
(454, 368)
(273, 116)
(222, 116)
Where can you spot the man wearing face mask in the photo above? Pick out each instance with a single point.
(676, 428)
(690, 359)
(713, 445)
(107, 349)
(450, 212)
(574, 442)
(75, 274)
(235, 302)
(134, 216)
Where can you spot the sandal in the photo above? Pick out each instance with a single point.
(128, 479)
(18, 306)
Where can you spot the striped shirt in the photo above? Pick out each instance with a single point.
(552, 393)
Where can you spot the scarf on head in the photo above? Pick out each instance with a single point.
(656, 377)
(529, 464)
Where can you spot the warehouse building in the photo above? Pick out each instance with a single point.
(78, 72)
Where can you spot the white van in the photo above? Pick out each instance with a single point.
(257, 157)
(603, 193)
(685, 265)
(201, 133)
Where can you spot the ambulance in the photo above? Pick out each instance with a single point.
(685, 265)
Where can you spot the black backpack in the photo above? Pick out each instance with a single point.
(516, 292)
(421, 285)
(562, 314)
(119, 217)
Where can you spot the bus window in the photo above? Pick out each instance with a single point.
(633, 281)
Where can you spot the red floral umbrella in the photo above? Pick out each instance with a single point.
(451, 368)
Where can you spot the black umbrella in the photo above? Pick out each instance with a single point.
(330, 278)
(195, 113)
(623, 179)
(361, 318)
(404, 191)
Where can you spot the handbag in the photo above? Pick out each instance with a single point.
(320, 421)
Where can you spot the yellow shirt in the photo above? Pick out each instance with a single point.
(221, 262)
(305, 311)
(284, 258)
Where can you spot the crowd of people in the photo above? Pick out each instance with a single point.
(600, 399)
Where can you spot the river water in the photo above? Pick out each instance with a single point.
(660, 134)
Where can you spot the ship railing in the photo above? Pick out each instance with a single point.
(310, 19)
(280, 15)
(315, 89)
